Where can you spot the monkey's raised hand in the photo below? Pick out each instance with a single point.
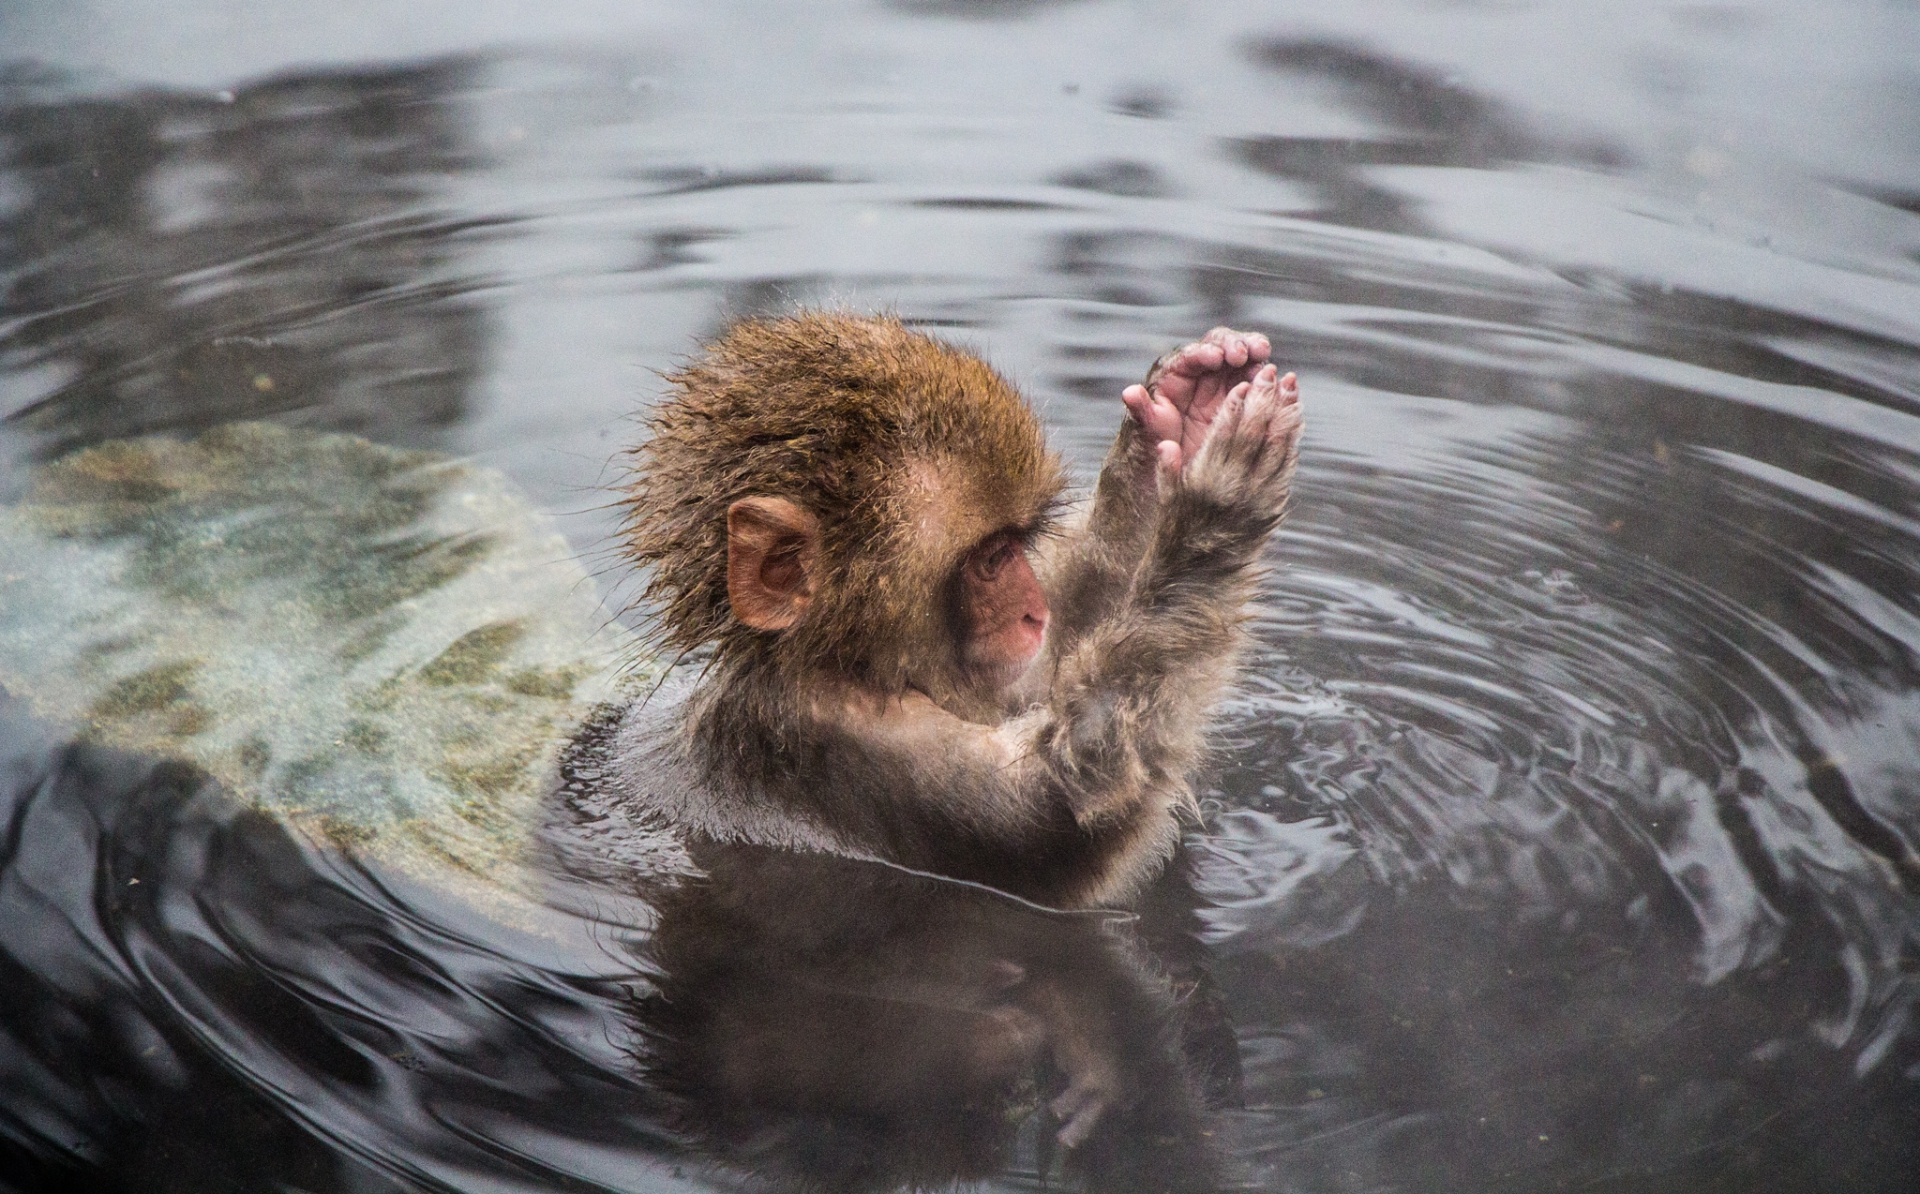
(1185, 389)
(1246, 460)
(1125, 699)
(1171, 412)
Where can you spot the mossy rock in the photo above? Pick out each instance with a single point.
(385, 647)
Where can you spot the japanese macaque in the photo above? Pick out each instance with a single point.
(913, 659)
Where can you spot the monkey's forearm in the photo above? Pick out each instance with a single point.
(1129, 699)
(1099, 564)
(1095, 569)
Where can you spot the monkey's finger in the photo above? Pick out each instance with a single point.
(1248, 350)
(1257, 346)
(1259, 402)
(1284, 394)
(1196, 359)
(1176, 381)
(1166, 465)
(1266, 384)
(1273, 454)
(1285, 431)
(1158, 414)
(1233, 412)
(1283, 450)
(1263, 399)
(1158, 417)
(1225, 437)
(1287, 420)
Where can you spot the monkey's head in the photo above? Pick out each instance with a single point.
(838, 494)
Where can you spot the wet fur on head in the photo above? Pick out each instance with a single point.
(907, 451)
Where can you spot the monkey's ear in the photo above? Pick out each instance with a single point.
(772, 546)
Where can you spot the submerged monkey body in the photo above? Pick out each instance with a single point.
(911, 661)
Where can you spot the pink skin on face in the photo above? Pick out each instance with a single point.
(1003, 608)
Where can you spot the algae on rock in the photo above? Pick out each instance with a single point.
(385, 646)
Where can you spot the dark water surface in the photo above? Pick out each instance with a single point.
(1564, 835)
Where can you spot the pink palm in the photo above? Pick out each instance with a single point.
(1190, 385)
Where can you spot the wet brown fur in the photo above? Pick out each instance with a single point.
(851, 730)
(908, 451)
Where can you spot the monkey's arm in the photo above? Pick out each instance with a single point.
(1090, 568)
(1084, 782)
(1130, 696)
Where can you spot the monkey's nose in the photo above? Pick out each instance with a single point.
(1033, 627)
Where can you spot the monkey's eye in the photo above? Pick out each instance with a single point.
(990, 557)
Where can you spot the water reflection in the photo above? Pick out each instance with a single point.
(1425, 120)
(831, 1024)
(828, 1023)
(186, 260)
(199, 999)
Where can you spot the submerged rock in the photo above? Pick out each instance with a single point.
(384, 647)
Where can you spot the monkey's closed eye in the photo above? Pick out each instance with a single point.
(994, 555)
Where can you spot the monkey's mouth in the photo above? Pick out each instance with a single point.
(1009, 655)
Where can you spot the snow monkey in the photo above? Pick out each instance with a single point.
(911, 655)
